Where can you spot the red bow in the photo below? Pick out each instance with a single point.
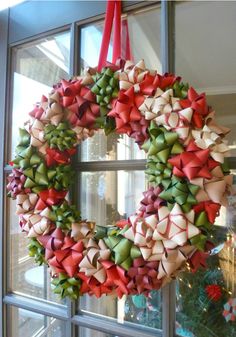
(16, 180)
(198, 104)
(52, 242)
(67, 258)
(50, 197)
(151, 201)
(39, 109)
(125, 111)
(193, 163)
(143, 277)
(116, 280)
(197, 260)
(211, 208)
(81, 103)
(55, 156)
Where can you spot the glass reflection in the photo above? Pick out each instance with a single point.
(36, 68)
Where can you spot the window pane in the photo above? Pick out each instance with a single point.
(24, 275)
(105, 198)
(143, 26)
(30, 324)
(101, 199)
(206, 58)
(36, 68)
(86, 332)
(113, 147)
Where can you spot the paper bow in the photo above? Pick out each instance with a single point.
(36, 224)
(39, 176)
(151, 202)
(123, 250)
(54, 156)
(132, 75)
(207, 138)
(116, 280)
(91, 263)
(159, 104)
(198, 104)
(60, 137)
(144, 80)
(16, 180)
(64, 215)
(142, 233)
(158, 173)
(66, 286)
(143, 277)
(36, 131)
(24, 138)
(215, 189)
(39, 108)
(25, 156)
(37, 251)
(79, 102)
(211, 208)
(52, 242)
(175, 227)
(173, 260)
(125, 111)
(139, 131)
(48, 198)
(180, 192)
(193, 163)
(82, 230)
(82, 133)
(197, 260)
(162, 143)
(180, 89)
(229, 312)
(166, 110)
(105, 87)
(67, 258)
(25, 202)
(49, 110)
(178, 121)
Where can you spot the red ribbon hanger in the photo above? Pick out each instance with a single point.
(113, 19)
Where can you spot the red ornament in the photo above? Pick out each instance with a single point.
(214, 292)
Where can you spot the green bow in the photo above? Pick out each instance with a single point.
(199, 241)
(66, 286)
(39, 176)
(201, 221)
(158, 172)
(24, 156)
(106, 86)
(179, 191)
(24, 138)
(61, 136)
(64, 215)
(162, 143)
(180, 89)
(123, 250)
(37, 251)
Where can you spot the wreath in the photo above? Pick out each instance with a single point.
(186, 170)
